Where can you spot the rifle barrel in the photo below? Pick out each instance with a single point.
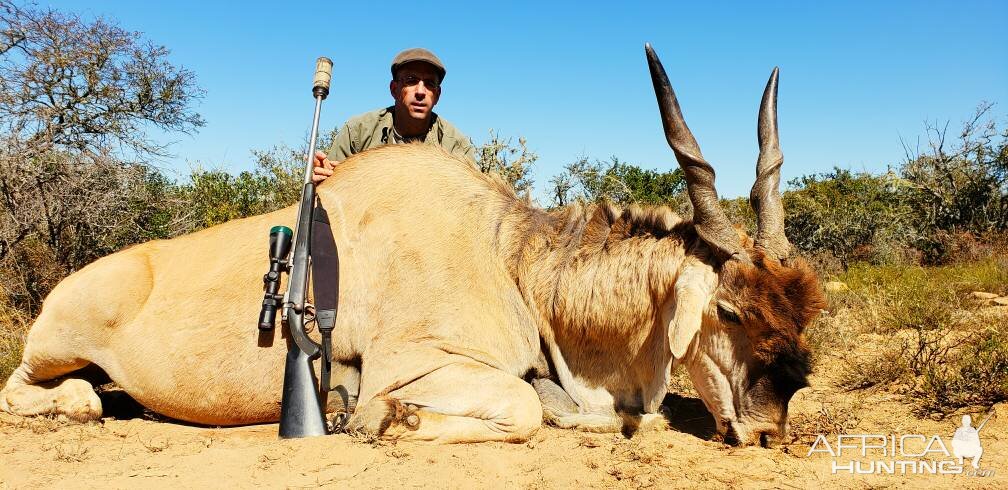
(982, 424)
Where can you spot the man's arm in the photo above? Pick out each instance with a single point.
(455, 142)
(341, 149)
(342, 146)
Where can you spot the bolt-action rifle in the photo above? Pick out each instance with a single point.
(304, 398)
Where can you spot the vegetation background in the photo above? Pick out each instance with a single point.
(78, 99)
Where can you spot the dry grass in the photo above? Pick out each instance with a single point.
(861, 372)
(830, 333)
(831, 419)
(155, 444)
(42, 424)
(634, 463)
(917, 333)
(13, 329)
(73, 451)
(977, 377)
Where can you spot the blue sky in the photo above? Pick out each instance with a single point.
(571, 77)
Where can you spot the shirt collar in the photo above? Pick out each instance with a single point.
(398, 138)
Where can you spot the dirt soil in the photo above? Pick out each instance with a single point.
(133, 449)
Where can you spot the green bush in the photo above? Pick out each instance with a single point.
(512, 163)
(949, 203)
(216, 196)
(619, 182)
(851, 216)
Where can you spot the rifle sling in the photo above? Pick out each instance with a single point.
(325, 284)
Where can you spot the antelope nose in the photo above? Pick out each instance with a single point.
(766, 440)
(771, 438)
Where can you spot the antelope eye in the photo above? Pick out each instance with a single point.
(728, 316)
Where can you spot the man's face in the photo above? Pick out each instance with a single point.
(416, 88)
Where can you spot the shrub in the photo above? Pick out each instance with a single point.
(874, 370)
(950, 203)
(619, 182)
(959, 186)
(60, 211)
(13, 328)
(216, 196)
(925, 336)
(848, 215)
(512, 163)
(976, 376)
(740, 213)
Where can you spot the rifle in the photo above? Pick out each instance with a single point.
(982, 424)
(304, 398)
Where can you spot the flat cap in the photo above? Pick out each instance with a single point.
(417, 54)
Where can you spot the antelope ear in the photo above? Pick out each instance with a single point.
(691, 298)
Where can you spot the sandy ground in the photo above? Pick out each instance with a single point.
(144, 452)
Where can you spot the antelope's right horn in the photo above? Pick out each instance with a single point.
(709, 219)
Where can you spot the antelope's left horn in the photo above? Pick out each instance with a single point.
(765, 197)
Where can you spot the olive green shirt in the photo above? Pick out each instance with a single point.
(375, 128)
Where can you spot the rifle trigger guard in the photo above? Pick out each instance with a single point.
(309, 314)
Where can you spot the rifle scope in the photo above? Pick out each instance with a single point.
(280, 245)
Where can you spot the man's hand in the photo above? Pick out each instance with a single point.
(322, 169)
